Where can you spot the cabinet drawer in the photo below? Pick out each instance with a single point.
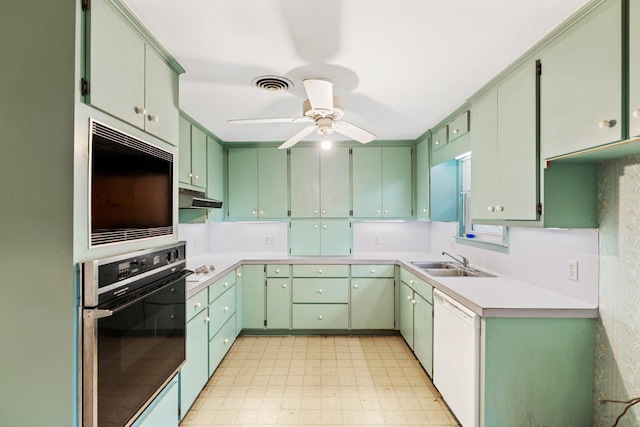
(278, 270)
(440, 138)
(220, 344)
(321, 270)
(219, 286)
(320, 316)
(372, 270)
(221, 309)
(320, 290)
(459, 126)
(197, 303)
(417, 284)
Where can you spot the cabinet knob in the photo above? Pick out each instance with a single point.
(195, 177)
(315, 226)
(355, 286)
(378, 211)
(226, 340)
(386, 211)
(225, 284)
(324, 227)
(414, 302)
(320, 271)
(239, 274)
(261, 213)
(424, 210)
(373, 272)
(140, 110)
(324, 211)
(284, 285)
(607, 124)
(411, 282)
(206, 320)
(455, 131)
(277, 270)
(491, 208)
(225, 309)
(315, 211)
(253, 213)
(190, 175)
(196, 305)
(153, 118)
(319, 291)
(499, 208)
(636, 113)
(437, 142)
(409, 297)
(320, 317)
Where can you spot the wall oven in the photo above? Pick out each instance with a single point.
(133, 339)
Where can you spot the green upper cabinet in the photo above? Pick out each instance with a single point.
(126, 76)
(319, 182)
(444, 192)
(440, 138)
(422, 179)
(192, 170)
(215, 175)
(634, 69)
(320, 237)
(382, 182)
(581, 85)
(257, 180)
(504, 160)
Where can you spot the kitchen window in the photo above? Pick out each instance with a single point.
(495, 237)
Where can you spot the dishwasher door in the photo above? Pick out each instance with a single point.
(456, 358)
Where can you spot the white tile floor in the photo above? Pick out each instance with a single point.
(319, 380)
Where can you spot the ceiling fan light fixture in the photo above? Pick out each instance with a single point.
(325, 143)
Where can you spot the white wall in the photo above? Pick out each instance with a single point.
(537, 256)
(391, 237)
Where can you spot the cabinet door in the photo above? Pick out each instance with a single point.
(163, 412)
(396, 182)
(279, 303)
(161, 97)
(215, 176)
(422, 184)
(444, 191)
(304, 237)
(243, 183)
(372, 303)
(517, 156)
(194, 373)
(581, 85)
(305, 182)
(634, 68)
(198, 157)
(367, 182)
(239, 295)
(440, 138)
(272, 183)
(406, 314)
(334, 183)
(484, 161)
(184, 153)
(335, 237)
(423, 332)
(116, 64)
(253, 297)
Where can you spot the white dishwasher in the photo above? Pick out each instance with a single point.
(456, 357)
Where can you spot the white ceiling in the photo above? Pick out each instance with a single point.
(400, 66)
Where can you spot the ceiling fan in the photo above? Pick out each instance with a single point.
(321, 108)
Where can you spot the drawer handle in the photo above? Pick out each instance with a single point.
(225, 284)
(206, 320)
(284, 285)
(355, 286)
(373, 272)
(277, 270)
(196, 305)
(455, 131)
(319, 291)
(412, 282)
(320, 271)
(226, 340)
(239, 274)
(320, 317)
(225, 309)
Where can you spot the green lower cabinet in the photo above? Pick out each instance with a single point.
(536, 370)
(327, 237)
(194, 373)
(423, 332)
(279, 303)
(253, 297)
(221, 342)
(372, 303)
(406, 314)
(320, 316)
(162, 412)
(239, 311)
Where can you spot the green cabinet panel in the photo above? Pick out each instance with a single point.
(192, 164)
(504, 160)
(382, 182)
(305, 182)
(459, 126)
(372, 270)
(239, 293)
(581, 85)
(220, 344)
(423, 332)
(406, 314)
(221, 309)
(634, 68)
(163, 412)
(197, 303)
(257, 182)
(279, 303)
(422, 179)
(312, 290)
(440, 138)
(320, 316)
(194, 373)
(444, 191)
(127, 78)
(335, 200)
(221, 285)
(278, 270)
(215, 176)
(184, 153)
(320, 237)
(253, 297)
(372, 303)
(320, 270)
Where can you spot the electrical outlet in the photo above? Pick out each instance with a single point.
(268, 239)
(376, 240)
(452, 245)
(572, 270)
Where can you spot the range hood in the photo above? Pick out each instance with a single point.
(190, 199)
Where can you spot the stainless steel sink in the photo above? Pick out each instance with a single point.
(448, 269)
(424, 265)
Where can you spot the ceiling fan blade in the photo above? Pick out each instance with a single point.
(353, 132)
(275, 120)
(297, 137)
(320, 93)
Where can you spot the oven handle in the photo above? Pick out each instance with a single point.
(99, 313)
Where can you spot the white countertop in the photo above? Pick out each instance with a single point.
(500, 296)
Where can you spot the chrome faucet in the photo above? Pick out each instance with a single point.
(464, 261)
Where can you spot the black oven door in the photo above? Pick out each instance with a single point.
(131, 350)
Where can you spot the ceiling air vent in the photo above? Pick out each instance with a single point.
(273, 83)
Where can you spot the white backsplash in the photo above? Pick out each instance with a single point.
(536, 256)
(412, 236)
(248, 237)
